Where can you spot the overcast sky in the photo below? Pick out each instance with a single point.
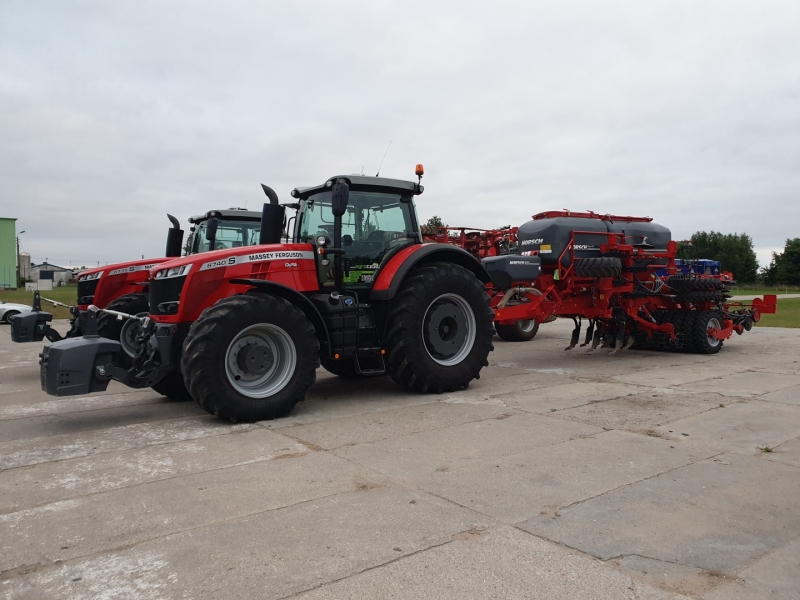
(115, 113)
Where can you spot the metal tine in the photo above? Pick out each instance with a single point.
(620, 343)
(589, 333)
(598, 335)
(576, 334)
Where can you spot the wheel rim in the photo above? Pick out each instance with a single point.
(448, 329)
(713, 323)
(9, 316)
(128, 333)
(526, 326)
(260, 360)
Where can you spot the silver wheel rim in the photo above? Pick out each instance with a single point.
(128, 333)
(526, 326)
(260, 360)
(449, 317)
(713, 323)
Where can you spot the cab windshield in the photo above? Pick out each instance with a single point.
(230, 234)
(375, 224)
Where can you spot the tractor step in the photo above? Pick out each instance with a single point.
(369, 361)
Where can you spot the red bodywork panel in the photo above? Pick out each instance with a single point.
(120, 279)
(208, 278)
(389, 270)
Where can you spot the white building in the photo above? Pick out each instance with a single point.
(58, 275)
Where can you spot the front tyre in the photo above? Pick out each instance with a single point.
(521, 331)
(124, 331)
(439, 329)
(250, 358)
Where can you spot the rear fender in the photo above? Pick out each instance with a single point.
(296, 298)
(392, 274)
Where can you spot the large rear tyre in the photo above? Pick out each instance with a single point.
(123, 331)
(173, 387)
(703, 342)
(250, 358)
(439, 329)
(521, 331)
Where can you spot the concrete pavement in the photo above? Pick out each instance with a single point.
(641, 475)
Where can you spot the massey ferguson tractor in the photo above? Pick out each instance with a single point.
(355, 290)
(123, 288)
(358, 291)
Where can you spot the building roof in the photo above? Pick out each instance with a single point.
(49, 267)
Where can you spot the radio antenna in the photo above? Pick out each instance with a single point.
(383, 159)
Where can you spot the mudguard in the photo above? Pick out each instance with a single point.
(69, 367)
(392, 274)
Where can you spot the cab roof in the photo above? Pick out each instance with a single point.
(237, 214)
(362, 183)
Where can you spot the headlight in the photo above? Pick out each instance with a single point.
(321, 240)
(90, 276)
(173, 272)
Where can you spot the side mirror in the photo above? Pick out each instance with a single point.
(340, 196)
(211, 229)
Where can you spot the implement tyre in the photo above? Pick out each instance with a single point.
(250, 358)
(604, 266)
(123, 331)
(521, 331)
(703, 343)
(439, 329)
(173, 387)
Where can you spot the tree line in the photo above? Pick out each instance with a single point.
(784, 269)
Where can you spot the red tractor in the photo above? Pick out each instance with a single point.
(124, 287)
(355, 290)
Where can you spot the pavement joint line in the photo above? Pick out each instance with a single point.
(605, 563)
(373, 567)
(736, 400)
(769, 552)
(617, 568)
(631, 483)
(249, 427)
(144, 483)
(349, 445)
(122, 547)
(268, 424)
(76, 412)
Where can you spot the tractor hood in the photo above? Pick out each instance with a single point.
(120, 268)
(230, 257)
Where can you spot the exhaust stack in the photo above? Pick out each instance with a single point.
(272, 218)
(174, 239)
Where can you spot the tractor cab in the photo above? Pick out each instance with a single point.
(355, 223)
(223, 230)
